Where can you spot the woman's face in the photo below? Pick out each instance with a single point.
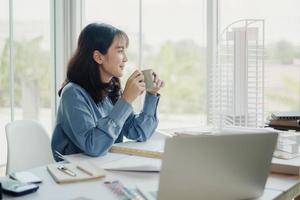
(113, 62)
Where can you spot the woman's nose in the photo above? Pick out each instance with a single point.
(125, 58)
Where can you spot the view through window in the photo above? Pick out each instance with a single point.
(5, 111)
(173, 44)
(31, 59)
(282, 47)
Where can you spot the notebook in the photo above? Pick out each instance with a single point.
(145, 149)
(83, 171)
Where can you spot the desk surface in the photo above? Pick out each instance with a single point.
(277, 186)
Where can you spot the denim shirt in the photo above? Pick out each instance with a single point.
(82, 126)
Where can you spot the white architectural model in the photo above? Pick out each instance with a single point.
(236, 78)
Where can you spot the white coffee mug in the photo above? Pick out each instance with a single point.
(149, 76)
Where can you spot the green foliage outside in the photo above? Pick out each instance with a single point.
(282, 52)
(289, 98)
(182, 65)
(32, 64)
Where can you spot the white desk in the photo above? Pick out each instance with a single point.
(277, 187)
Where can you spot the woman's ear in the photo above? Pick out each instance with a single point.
(98, 57)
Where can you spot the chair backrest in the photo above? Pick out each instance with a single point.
(28, 145)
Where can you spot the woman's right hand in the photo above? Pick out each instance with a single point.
(134, 87)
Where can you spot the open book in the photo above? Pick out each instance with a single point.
(74, 172)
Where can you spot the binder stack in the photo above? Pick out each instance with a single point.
(285, 121)
(289, 138)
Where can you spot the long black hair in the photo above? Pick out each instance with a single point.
(85, 71)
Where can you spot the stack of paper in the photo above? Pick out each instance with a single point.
(145, 149)
(134, 164)
(291, 166)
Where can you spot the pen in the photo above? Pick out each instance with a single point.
(66, 170)
(126, 190)
(59, 155)
(84, 170)
(132, 195)
(142, 193)
(117, 188)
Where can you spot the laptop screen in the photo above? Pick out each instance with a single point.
(195, 167)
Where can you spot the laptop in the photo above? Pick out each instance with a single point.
(233, 164)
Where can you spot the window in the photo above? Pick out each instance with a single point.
(125, 16)
(282, 47)
(5, 111)
(173, 44)
(175, 47)
(31, 61)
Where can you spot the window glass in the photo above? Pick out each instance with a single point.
(123, 14)
(282, 47)
(31, 60)
(173, 44)
(5, 112)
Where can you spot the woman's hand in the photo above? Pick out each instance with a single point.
(134, 87)
(158, 84)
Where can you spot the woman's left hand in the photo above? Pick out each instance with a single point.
(158, 84)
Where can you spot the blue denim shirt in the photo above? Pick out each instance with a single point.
(82, 126)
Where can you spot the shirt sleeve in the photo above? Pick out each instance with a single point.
(93, 136)
(141, 126)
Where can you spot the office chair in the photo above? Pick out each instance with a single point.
(28, 145)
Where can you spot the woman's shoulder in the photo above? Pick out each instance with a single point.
(73, 89)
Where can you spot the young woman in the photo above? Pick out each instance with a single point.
(94, 112)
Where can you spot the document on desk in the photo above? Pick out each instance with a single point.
(134, 164)
(96, 160)
(193, 131)
(152, 148)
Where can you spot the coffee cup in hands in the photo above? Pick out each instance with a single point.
(149, 77)
(134, 87)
